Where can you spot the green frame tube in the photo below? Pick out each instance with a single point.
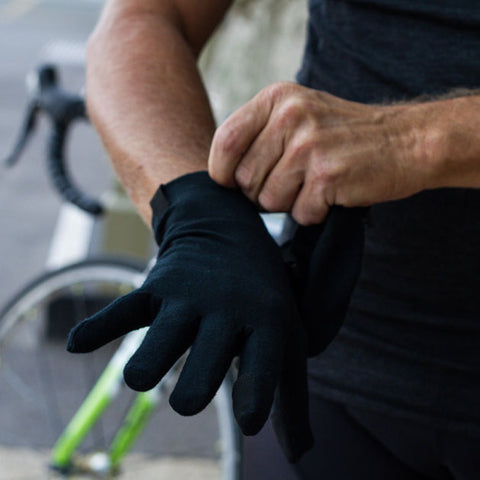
(99, 398)
(91, 409)
(135, 422)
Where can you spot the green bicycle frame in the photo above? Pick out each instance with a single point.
(63, 458)
(99, 398)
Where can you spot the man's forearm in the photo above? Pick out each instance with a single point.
(147, 101)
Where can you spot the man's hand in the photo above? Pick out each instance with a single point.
(299, 150)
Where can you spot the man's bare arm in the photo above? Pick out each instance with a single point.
(144, 93)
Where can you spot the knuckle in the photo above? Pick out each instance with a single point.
(289, 103)
(290, 113)
(226, 140)
(322, 173)
(277, 90)
(244, 178)
(272, 196)
(305, 145)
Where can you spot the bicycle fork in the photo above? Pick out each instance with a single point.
(100, 397)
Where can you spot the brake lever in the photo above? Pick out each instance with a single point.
(27, 129)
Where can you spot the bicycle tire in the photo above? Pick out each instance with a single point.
(33, 329)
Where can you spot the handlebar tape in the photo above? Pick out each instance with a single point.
(60, 176)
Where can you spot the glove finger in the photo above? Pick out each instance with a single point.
(336, 262)
(259, 370)
(290, 416)
(169, 336)
(205, 368)
(123, 315)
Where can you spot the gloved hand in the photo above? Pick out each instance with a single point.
(219, 286)
(327, 261)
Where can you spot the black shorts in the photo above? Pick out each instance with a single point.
(352, 444)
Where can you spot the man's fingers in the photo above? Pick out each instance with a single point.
(283, 183)
(258, 161)
(169, 336)
(123, 315)
(310, 207)
(233, 138)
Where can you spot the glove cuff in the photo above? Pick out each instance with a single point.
(167, 193)
(196, 196)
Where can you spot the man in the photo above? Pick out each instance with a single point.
(396, 394)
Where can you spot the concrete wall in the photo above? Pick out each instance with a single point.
(259, 42)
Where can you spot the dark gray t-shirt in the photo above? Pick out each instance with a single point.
(410, 345)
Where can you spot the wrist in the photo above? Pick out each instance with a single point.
(195, 197)
(417, 147)
(448, 142)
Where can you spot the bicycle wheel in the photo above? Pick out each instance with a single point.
(42, 386)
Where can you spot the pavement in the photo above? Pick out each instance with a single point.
(137, 467)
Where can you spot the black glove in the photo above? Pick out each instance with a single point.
(327, 260)
(219, 286)
(289, 415)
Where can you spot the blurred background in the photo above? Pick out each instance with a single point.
(32, 32)
(259, 42)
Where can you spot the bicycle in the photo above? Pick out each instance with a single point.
(36, 321)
